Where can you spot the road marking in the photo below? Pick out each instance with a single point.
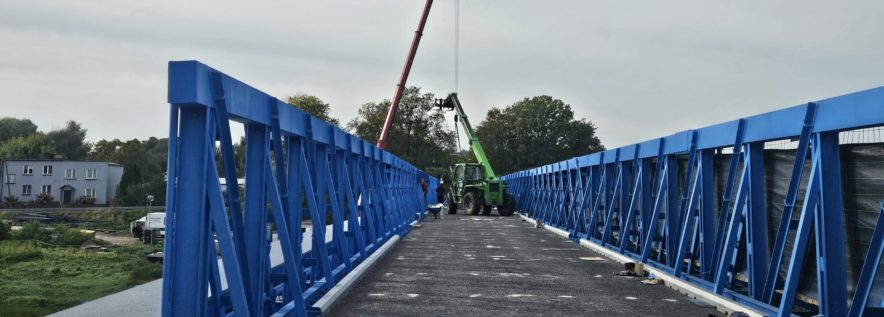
(520, 295)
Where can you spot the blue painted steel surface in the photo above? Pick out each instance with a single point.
(654, 201)
(297, 167)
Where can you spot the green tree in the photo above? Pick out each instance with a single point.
(105, 150)
(419, 134)
(239, 158)
(314, 106)
(144, 167)
(14, 127)
(533, 132)
(70, 141)
(142, 175)
(34, 146)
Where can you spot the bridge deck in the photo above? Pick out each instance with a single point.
(502, 266)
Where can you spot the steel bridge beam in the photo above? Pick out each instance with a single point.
(642, 201)
(292, 161)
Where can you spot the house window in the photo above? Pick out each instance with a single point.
(46, 189)
(27, 170)
(25, 190)
(91, 174)
(90, 192)
(47, 169)
(70, 173)
(10, 178)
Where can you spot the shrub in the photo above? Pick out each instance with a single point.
(4, 231)
(10, 201)
(84, 201)
(71, 237)
(44, 199)
(32, 231)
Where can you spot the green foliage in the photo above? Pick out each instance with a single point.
(70, 236)
(70, 141)
(68, 276)
(145, 273)
(419, 134)
(32, 231)
(533, 132)
(239, 156)
(10, 201)
(99, 219)
(314, 106)
(14, 127)
(144, 165)
(34, 146)
(84, 201)
(44, 199)
(4, 231)
(19, 250)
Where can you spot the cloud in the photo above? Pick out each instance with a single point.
(637, 69)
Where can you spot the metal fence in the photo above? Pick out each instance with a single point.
(655, 202)
(295, 164)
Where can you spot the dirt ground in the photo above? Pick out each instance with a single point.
(119, 239)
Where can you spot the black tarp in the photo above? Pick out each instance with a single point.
(862, 175)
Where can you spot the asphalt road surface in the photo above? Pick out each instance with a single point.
(503, 266)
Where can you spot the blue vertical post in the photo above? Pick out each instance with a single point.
(707, 214)
(172, 175)
(831, 269)
(255, 225)
(186, 281)
(756, 220)
(673, 209)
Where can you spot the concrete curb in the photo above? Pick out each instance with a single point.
(327, 303)
(721, 304)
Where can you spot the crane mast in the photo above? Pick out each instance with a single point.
(400, 87)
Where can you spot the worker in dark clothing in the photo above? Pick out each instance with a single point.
(138, 232)
(424, 187)
(440, 192)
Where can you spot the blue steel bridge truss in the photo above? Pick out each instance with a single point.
(655, 203)
(296, 167)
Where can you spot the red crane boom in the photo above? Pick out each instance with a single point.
(388, 122)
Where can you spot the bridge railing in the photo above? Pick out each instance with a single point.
(698, 204)
(298, 170)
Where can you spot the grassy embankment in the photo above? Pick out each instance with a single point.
(43, 270)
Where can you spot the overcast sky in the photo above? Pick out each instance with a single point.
(637, 69)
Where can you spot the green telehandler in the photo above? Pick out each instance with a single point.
(474, 185)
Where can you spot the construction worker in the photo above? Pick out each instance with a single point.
(440, 191)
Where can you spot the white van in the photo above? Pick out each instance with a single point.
(153, 227)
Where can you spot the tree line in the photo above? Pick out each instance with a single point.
(530, 132)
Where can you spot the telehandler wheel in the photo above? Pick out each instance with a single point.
(472, 203)
(508, 207)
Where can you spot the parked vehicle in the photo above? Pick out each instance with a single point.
(149, 228)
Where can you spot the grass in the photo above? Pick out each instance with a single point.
(96, 219)
(37, 280)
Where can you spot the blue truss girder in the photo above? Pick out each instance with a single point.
(296, 167)
(638, 200)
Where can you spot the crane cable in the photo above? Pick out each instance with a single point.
(456, 40)
(456, 51)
